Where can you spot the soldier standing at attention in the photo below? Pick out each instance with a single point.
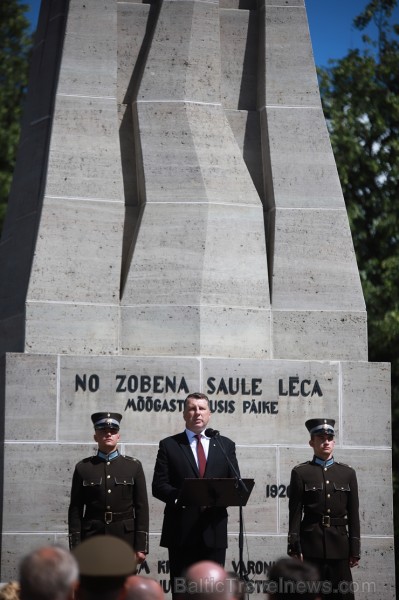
(109, 493)
(324, 524)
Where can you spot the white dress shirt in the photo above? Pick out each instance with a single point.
(193, 443)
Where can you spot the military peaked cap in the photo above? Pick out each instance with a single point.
(104, 561)
(316, 426)
(106, 420)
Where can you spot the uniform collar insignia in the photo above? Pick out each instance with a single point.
(111, 456)
(323, 463)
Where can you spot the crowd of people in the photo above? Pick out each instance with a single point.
(104, 568)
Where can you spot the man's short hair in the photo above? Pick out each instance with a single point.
(196, 396)
(293, 579)
(48, 573)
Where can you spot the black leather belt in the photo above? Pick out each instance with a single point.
(109, 516)
(325, 520)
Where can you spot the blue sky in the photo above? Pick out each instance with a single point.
(330, 24)
(331, 27)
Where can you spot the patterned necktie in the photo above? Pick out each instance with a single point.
(201, 456)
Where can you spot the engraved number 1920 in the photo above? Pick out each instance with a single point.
(277, 491)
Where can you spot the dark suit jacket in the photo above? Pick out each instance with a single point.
(314, 492)
(187, 526)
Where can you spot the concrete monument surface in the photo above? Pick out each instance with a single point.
(176, 224)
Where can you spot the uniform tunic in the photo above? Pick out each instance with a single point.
(324, 517)
(109, 496)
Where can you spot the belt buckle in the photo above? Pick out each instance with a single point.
(326, 520)
(108, 517)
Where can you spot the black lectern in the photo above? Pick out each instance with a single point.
(219, 492)
(215, 492)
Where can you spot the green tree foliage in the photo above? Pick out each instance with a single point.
(15, 45)
(360, 95)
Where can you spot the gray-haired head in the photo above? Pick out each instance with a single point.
(48, 573)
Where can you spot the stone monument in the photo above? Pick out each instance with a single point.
(176, 224)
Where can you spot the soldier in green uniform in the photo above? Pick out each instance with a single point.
(324, 524)
(109, 493)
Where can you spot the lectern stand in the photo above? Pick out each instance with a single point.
(219, 492)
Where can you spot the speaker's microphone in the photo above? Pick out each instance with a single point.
(211, 433)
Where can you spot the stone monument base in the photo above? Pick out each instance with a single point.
(261, 404)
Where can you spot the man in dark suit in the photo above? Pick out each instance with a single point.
(109, 493)
(324, 524)
(192, 533)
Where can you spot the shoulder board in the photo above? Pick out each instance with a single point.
(341, 464)
(130, 458)
(307, 462)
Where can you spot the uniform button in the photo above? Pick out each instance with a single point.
(328, 495)
(108, 463)
(327, 481)
(328, 509)
(325, 468)
(124, 481)
(108, 507)
(92, 483)
(109, 491)
(108, 476)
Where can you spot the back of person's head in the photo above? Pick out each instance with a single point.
(48, 573)
(206, 580)
(293, 579)
(143, 588)
(10, 591)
